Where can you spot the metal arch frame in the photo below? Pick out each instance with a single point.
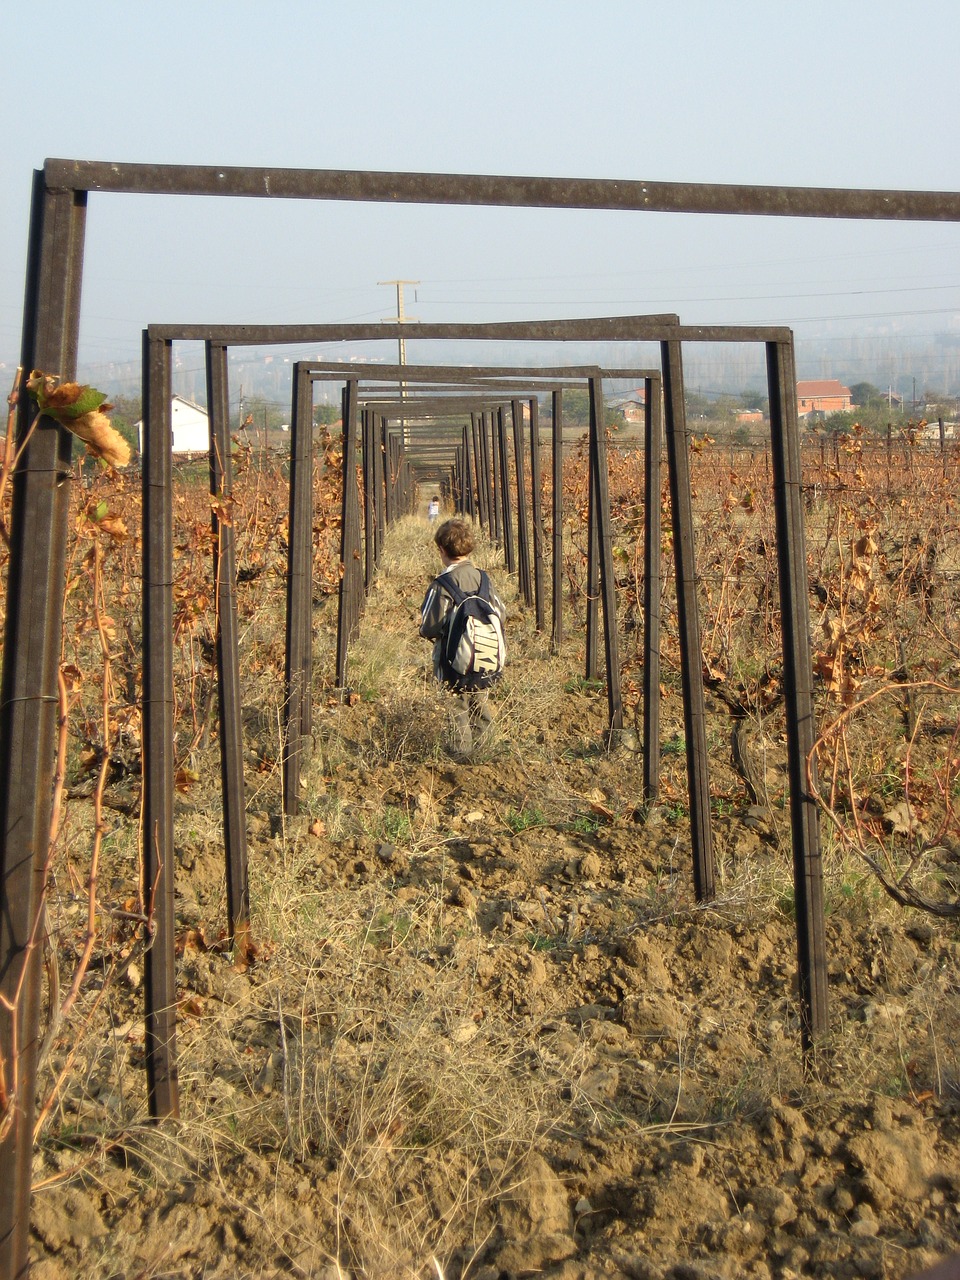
(51, 327)
(496, 378)
(476, 381)
(672, 335)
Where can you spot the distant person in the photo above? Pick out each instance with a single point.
(461, 581)
(433, 509)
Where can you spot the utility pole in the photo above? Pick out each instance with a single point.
(400, 317)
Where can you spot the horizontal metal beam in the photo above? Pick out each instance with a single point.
(483, 377)
(515, 192)
(597, 329)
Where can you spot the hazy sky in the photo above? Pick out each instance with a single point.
(843, 93)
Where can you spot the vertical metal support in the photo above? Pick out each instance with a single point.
(160, 987)
(369, 491)
(483, 515)
(400, 472)
(604, 529)
(652, 533)
(348, 613)
(591, 668)
(493, 528)
(691, 657)
(466, 451)
(523, 532)
(500, 444)
(389, 477)
(798, 690)
(379, 445)
(463, 473)
(299, 588)
(227, 642)
(496, 482)
(29, 704)
(556, 639)
(304, 536)
(536, 502)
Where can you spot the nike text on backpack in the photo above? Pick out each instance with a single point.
(472, 648)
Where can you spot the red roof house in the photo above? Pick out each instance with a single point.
(826, 396)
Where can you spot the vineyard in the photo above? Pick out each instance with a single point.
(482, 1028)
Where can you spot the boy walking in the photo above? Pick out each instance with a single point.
(471, 714)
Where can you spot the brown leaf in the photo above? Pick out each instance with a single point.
(115, 527)
(190, 940)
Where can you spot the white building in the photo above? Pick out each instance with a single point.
(191, 427)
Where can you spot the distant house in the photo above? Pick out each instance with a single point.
(191, 427)
(632, 405)
(749, 415)
(822, 398)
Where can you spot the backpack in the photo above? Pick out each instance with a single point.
(472, 649)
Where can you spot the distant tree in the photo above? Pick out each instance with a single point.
(863, 393)
(576, 410)
(838, 424)
(127, 412)
(325, 414)
(754, 400)
(263, 415)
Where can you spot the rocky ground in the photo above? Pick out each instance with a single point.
(489, 1033)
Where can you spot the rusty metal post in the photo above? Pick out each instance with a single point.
(509, 542)
(600, 486)
(652, 445)
(298, 662)
(465, 457)
(227, 643)
(493, 528)
(159, 979)
(369, 519)
(497, 481)
(537, 512)
(348, 613)
(461, 479)
(29, 703)
(591, 669)
(556, 637)
(691, 657)
(523, 531)
(395, 457)
(488, 485)
(483, 514)
(798, 690)
(304, 536)
(380, 453)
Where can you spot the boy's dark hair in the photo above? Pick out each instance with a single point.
(454, 539)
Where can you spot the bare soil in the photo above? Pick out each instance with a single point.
(489, 1033)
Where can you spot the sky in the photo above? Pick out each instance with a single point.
(828, 93)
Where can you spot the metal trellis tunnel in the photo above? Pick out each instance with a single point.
(158, 713)
(158, 804)
(40, 492)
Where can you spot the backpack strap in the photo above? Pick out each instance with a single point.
(447, 584)
(457, 594)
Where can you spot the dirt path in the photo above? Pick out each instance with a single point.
(490, 1034)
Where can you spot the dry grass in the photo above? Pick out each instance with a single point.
(363, 1100)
